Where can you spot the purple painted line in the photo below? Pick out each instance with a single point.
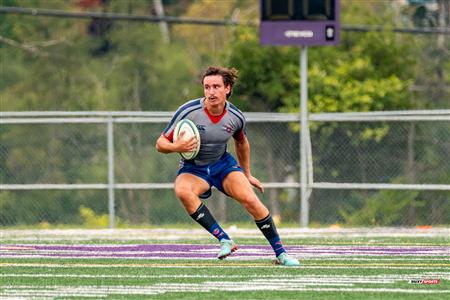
(114, 255)
(174, 251)
(121, 248)
(191, 247)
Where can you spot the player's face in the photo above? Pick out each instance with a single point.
(215, 90)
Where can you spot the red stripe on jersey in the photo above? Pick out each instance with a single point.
(239, 136)
(215, 119)
(169, 137)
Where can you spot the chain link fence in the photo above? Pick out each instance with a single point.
(366, 172)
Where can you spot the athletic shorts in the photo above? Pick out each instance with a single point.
(214, 173)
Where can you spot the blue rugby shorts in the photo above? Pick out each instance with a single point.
(214, 173)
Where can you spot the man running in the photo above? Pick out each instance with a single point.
(217, 121)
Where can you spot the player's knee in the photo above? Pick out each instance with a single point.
(250, 202)
(184, 194)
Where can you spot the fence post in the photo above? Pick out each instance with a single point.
(304, 205)
(110, 142)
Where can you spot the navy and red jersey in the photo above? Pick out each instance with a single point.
(215, 131)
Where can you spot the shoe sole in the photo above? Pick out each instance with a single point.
(233, 249)
(278, 262)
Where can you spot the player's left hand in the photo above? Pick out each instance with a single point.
(256, 183)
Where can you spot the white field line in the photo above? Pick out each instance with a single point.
(104, 291)
(229, 266)
(317, 283)
(239, 258)
(211, 248)
(383, 278)
(262, 253)
(181, 234)
(303, 252)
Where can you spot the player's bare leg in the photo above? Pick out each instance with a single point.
(237, 186)
(188, 188)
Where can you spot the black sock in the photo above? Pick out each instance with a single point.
(267, 227)
(204, 217)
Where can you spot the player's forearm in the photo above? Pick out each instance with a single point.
(163, 145)
(243, 155)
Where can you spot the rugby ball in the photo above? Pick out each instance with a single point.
(190, 130)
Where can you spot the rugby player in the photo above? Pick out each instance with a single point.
(217, 121)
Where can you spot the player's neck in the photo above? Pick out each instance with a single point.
(216, 109)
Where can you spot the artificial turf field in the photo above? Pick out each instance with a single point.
(384, 263)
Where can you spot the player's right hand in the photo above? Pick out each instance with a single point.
(185, 145)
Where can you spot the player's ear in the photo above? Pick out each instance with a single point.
(228, 90)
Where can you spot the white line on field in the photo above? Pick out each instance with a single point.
(180, 234)
(439, 258)
(384, 278)
(214, 265)
(104, 291)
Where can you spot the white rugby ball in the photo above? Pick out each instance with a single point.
(190, 130)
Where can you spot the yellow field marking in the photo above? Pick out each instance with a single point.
(385, 264)
(13, 247)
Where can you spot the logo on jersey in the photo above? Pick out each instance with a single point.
(228, 128)
(201, 127)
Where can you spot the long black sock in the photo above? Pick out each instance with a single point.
(267, 227)
(204, 217)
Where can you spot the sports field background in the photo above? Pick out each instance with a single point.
(74, 88)
(336, 263)
(121, 79)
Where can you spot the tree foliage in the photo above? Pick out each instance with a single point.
(90, 64)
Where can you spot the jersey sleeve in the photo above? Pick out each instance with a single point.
(240, 132)
(168, 131)
(180, 114)
(239, 135)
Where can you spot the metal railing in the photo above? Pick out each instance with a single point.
(112, 118)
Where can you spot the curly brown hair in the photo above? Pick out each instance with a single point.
(229, 75)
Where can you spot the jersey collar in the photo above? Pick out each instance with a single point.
(215, 119)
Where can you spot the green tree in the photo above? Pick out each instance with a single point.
(61, 64)
(365, 72)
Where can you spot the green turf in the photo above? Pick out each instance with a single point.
(349, 277)
(259, 240)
